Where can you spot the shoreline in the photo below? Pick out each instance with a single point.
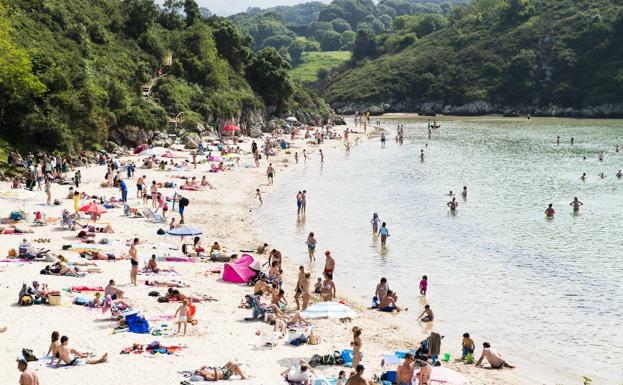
(225, 215)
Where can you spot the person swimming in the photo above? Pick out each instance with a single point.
(549, 212)
(464, 193)
(576, 204)
(583, 177)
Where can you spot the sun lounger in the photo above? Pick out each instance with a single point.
(152, 216)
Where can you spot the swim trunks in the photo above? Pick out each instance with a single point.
(227, 373)
(133, 263)
(76, 362)
(388, 309)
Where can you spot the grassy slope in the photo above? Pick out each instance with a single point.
(313, 61)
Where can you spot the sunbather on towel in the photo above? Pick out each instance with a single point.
(210, 373)
(175, 284)
(72, 357)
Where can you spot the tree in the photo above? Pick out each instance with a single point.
(340, 25)
(192, 11)
(277, 41)
(268, 76)
(231, 44)
(140, 15)
(330, 41)
(347, 40)
(364, 45)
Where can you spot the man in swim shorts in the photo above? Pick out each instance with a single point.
(404, 373)
(72, 357)
(427, 315)
(493, 356)
(388, 302)
(329, 264)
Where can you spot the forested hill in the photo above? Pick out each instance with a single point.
(75, 74)
(560, 57)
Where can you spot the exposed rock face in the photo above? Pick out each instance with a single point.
(481, 108)
(131, 135)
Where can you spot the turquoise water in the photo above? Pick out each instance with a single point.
(547, 294)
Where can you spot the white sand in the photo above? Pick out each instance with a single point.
(224, 215)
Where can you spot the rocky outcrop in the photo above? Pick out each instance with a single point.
(480, 108)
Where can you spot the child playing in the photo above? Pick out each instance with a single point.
(318, 286)
(468, 346)
(258, 194)
(145, 197)
(423, 285)
(97, 300)
(182, 313)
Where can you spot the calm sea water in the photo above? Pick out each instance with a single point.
(547, 294)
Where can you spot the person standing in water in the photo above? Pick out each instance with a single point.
(321, 157)
(576, 204)
(549, 212)
(311, 247)
(299, 203)
(382, 139)
(558, 140)
(384, 233)
(304, 202)
(375, 223)
(583, 177)
(572, 140)
(429, 133)
(453, 204)
(422, 155)
(258, 195)
(270, 173)
(305, 157)
(464, 193)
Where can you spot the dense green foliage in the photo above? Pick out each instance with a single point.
(71, 71)
(331, 27)
(317, 65)
(511, 52)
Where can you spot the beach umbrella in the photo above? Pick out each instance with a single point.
(185, 231)
(443, 375)
(231, 127)
(93, 208)
(328, 310)
(291, 119)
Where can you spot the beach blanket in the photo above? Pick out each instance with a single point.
(79, 289)
(171, 273)
(174, 259)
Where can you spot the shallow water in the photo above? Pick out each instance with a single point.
(547, 294)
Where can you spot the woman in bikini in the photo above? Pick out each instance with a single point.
(210, 373)
(311, 246)
(133, 261)
(328, 288)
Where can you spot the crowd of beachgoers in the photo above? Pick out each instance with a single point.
(159, 247)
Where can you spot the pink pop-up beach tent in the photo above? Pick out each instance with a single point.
(239, 271)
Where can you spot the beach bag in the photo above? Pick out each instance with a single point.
(28, 354)
(315, 360)
(184, 202)
(313, 339)
(160, 232)
(154, 294)
(163, 299)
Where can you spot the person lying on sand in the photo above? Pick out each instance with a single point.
(72, 357)
(210, 373)
(300, 373)
(175, 284)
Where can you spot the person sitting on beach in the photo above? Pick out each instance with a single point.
(210, 373)
(404, 373)
(112, 291)
(427, 315)
(152, 265)
(274, 316)
(358, 379)
(318, 286)
(262, 249)
(381, 291)
(27, 376)
(54, 345)
(301, 373)
(204, 182)
(215, 249)
(494, 358)
(388, 302)
(197, 245)
(278, 298)
(72, 357)
(328, 288)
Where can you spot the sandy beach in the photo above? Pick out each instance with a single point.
(224, 214)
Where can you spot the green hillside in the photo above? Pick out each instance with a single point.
(313, 62)
(513, 52)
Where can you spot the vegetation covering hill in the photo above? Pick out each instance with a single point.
(318, 64)
(71, 72)
(535, 53)
(316, 26)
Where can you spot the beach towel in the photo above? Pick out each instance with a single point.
(79, 289)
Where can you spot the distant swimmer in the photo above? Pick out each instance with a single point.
(617, 149)
(429, 133)
(602, 175)
(576, 204)
(464, 193)
(557, 140)
(422, 155)
(382, 139)
(453, 204)
(450, 194)
(600, 156)
(549, 212)
(619, 174)
(572, 140)
(583, 177)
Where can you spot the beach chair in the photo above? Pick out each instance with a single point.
(152, 216)
(258, 309)
(68, 221)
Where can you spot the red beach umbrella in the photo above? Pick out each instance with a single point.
(94, 209)
(231, 127)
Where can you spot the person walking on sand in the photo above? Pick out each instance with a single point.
(48, 191)
(296, 157)
(298, 291)
(453, 204)
(77, 179)
(549, 212)
(140, 186)
(311, 247)
(494, 358)
(305, 157)
(154, 195)
(182, 314)
(375, 223)
(258, 195)
(576, 204)
(404, 373)
(321, 157)
(183, 202)
(124, 191)
(383, 140)
(384, 233)
(133, 254)
(256, 157)
(356, 344)
(270, 173)
(329, 264)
